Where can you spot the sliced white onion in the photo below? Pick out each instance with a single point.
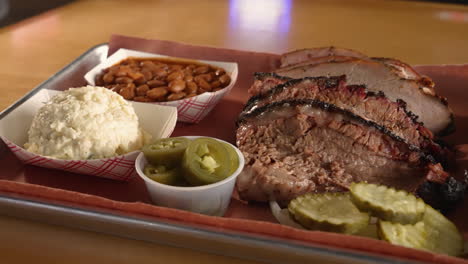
(282, 215)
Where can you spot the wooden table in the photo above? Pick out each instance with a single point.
(31, 51)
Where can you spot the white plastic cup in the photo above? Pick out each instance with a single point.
(212, 199)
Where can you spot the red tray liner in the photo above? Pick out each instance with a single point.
(132, 197)
(235, 224)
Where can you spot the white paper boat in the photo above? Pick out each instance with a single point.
(190, 110)
(157, 120)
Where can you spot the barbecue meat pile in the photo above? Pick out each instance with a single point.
(329, 117)
(380, 75)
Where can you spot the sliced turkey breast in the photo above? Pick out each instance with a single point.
(318, 55)
(302, 55)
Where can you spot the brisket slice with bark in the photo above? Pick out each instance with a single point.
(264, 81)
(293, 147)
(354, 98)
(431, 109)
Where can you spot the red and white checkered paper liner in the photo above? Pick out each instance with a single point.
(190, 110)
(194, 109)
(121, 168)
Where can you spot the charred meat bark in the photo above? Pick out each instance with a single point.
(354, 98)
(264, 81)
(293, 147)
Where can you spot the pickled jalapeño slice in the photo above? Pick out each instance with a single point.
(166, 151)
(206, 161)
(328, 212)
(434, 233)
(387, 203)
(163, 174)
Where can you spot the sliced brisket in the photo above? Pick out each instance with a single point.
(293, 147)
(354, 98)
(264, 81)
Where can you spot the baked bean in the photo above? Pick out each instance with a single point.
(176, 86)
(207, 77)
(215, 84)
(135, 75)
(142, 89)
(114, 69)
(147, 63)
(128, 92)
(143, 99)
(132, 63)
(159, 79)
(155, 83)
(115, 87)
(99, 80)
(188, 78)
(119, 87)
(191, 88)
(211, 77)
(176, 96)
(219, 72)
(140, 81)
(200, 91)
(201, 69)
(197, 78)
(160, 72)
(157, 93)
(123, 71)
(147, 73)
(123, 80)
(188, 71)
(176, 75)
(108, 77)
(176, 67)
(225, 79)
(203, 84)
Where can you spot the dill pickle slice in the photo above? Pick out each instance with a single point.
(328, 212)
(434, 233)
(166, 151)
(205, 161)
(369, 231)
(387, 203)
(163, 174)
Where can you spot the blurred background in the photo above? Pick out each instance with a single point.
(12, 11)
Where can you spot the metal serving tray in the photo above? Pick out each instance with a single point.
(152, 229)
